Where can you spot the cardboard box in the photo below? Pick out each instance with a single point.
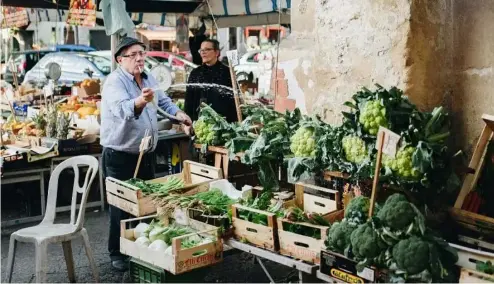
(83, 91)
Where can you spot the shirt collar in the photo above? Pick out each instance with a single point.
(130, 76)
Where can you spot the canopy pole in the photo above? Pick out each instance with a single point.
(114, 42)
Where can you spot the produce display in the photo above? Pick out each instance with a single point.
(172, 184)
(261, 202)
(212, 202)
(395, 238)
(158, 237)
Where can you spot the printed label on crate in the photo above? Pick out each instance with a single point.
(345, 277)
(345, 269)
(303, 252)
(199, 261)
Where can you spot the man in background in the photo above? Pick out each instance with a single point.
(212, 71)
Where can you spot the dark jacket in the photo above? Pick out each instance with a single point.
(221, 100)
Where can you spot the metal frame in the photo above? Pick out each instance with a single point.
(20, 176)
(259, 253)
(101, 202)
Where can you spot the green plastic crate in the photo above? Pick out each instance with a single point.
(142, 272)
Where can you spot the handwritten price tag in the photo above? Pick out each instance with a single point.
(145, 143)
(391, 141)
(233, 57)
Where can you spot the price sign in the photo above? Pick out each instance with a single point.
(391, 141)
(232, 57)
(145, 142)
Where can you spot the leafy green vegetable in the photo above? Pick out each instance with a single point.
(485, 267)
(357, 210)
(172, 184)
(339, 236)
(412, 255)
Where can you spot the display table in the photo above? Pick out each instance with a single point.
(259, 253)
(26, 175)
(57, 160)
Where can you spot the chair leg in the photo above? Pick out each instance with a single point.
(41, 261)
(89, 253)
(69, 260)
(10, 261)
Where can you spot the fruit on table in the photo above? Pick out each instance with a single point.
(85, 111)
(88, 83)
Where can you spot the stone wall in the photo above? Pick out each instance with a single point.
(439, 52)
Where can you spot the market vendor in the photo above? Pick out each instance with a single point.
(212, 71)
(125, 117)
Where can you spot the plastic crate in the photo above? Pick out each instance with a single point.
(142, 272)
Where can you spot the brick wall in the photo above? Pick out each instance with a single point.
(281, 103)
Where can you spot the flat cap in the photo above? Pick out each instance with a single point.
(126, 42)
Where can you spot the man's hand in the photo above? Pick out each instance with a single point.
(147, 95)
(184, 118)
(189, 130)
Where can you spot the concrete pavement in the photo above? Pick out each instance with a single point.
(237, 268)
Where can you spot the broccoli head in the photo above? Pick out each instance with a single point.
(366, 243)
(412, 255)
(397, 213)
(339, 236)
(357, 210)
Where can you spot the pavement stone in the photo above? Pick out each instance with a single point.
(236, 268)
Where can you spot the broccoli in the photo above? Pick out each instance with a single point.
(397, 213)
(357, 210)
(366, 243)
(339, 236)
(412, 255)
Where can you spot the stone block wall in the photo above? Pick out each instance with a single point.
(439, 52)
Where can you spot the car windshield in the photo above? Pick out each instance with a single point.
(102, 63)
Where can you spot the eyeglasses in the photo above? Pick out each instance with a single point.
(134, 54)
(205, 50)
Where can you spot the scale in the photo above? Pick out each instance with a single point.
(163, 76)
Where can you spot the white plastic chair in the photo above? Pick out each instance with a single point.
(48, 232)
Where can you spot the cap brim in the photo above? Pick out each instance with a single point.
(117, 53)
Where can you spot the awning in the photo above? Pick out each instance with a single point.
(134, 6)
(158, 35)
(225, 8)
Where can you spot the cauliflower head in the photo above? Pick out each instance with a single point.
(402, 164)
(339, 236)
(366, 243)
(397, 213)
(354, 148)
(303, 142)
(412, 255)
(203, 131)
(373, 115)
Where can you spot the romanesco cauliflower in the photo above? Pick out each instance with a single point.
(372, 116)
(303, 143)
(204, 133)
(354, 148)
(402, 164)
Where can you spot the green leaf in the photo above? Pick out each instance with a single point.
(422, 157)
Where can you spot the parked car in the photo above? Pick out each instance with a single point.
(75, 67)
(149, 63)
(249, 63)
(25, 60)
(177, 61)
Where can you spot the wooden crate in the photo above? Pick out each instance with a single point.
(181, 260)
(473, 221)
(132, 200)
(304, 247)
(260, 235)
(468, 258)
(316, 199)
(473, 276)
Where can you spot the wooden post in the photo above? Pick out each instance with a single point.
(235, 92)
(375, 183)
